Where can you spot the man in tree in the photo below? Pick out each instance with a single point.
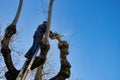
(38, 36)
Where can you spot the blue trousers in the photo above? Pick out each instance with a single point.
(35, 46)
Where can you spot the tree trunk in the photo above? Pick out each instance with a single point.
(6, 52)
(38, 75)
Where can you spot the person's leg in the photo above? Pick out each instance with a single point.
(28, 54)
(34, 47)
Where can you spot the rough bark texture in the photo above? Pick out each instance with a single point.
(42, 58)
(65, 65)
(5, 47)
(6, 52)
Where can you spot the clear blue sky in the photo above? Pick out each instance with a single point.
(92, 28)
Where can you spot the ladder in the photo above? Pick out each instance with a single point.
(26, 69)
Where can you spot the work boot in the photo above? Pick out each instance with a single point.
(28, 56)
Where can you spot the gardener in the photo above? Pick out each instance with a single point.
(38, 36)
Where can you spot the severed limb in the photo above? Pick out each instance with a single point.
(65, 65)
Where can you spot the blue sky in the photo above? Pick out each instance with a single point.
(92, 28)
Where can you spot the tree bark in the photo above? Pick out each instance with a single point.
(65, 65)
(49, 19)
(39, 75)
(6, 52)
(18, 13)
(40, 69)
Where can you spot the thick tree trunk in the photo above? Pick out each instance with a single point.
(40, 69)
(6, 52)
(65, 65)
(41, 60)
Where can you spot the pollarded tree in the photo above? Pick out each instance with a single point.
(6, 51)
(15, 53)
